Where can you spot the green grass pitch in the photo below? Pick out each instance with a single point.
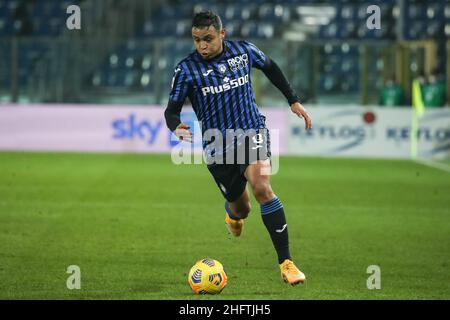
(135, 224)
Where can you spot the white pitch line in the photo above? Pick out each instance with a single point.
(433, 164)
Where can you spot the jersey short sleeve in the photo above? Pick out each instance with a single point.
(180, 84)
(257, 57)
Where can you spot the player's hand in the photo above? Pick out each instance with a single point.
(183, 133)
(301, 112)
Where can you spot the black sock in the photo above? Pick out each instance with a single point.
(273, 217)
(229, 212)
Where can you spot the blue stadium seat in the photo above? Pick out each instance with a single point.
(231, 13)
(361, 12)
(183, 28)
(271, 13)
(185, 10)
(148, 29)
(233, 28)
(47, 8)
(5, 65)
(96, 79)
(330, 31)
(145, 81)
(116, 61)
(362, 31)
(349, 50)
(129, 61)
(165, 28)
(347, 30)
(330, 49)
(4, 10)
(328, 83)
(147, 62)
(206, 6)
(29, 56)
(416, 11)
(111, 79)
(132, 79)
(12, 5)
(249, 29)
(169, 12)
(347, 12)
(5, 27)
(132, 55)
(416, 30)
(247, 12)
(183, 47)
(435, 29)
(265, 30)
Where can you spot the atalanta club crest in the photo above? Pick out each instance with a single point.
(222, 68)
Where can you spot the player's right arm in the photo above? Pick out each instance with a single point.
(178, 94)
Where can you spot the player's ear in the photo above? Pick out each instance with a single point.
(222, 33)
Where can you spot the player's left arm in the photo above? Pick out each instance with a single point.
(273, 72)
(276, 76)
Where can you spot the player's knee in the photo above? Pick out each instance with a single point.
(263, 193)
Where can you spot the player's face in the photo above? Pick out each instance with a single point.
(208, 41)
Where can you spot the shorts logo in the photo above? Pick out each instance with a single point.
(222, 68)
(238, 62)
(223, 188)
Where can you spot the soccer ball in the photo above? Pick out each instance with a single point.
(207, 276)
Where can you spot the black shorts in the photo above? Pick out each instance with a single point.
(229, 176)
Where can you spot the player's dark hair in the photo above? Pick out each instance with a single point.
(207, 18)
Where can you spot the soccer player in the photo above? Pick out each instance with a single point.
(216, 79)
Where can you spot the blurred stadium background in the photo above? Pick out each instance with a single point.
(120, 217)
(126, 50)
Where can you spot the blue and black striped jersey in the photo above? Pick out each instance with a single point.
(220, 89)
